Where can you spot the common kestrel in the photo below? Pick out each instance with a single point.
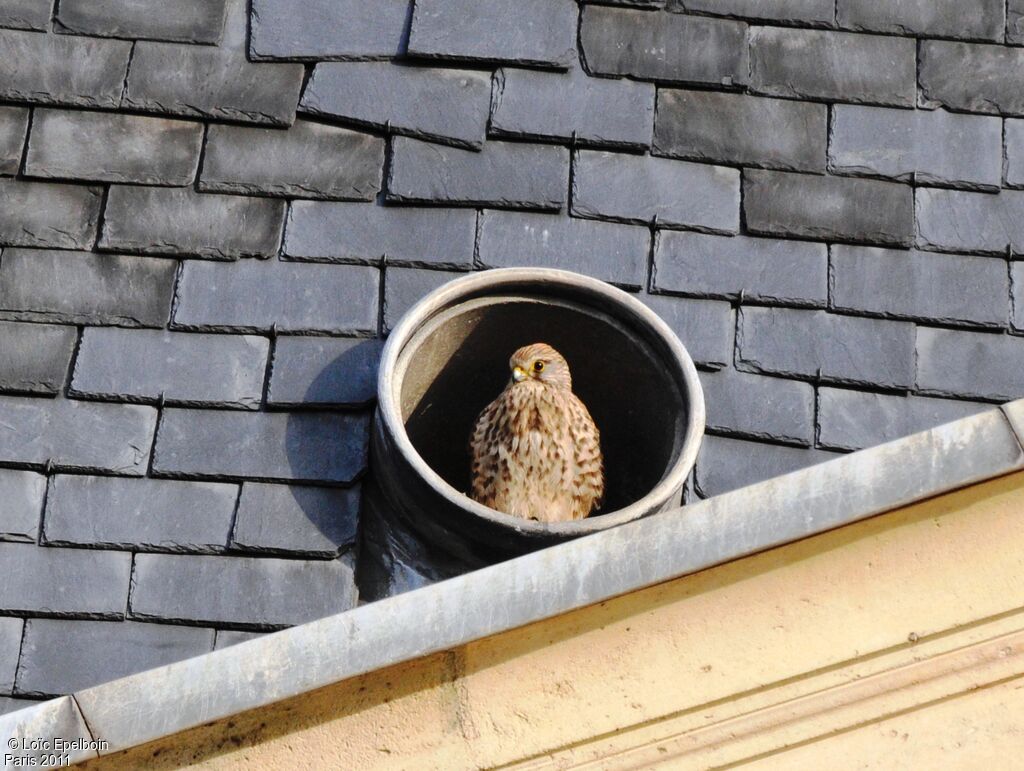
(536, 450)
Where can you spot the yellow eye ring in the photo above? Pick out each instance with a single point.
(538, 366)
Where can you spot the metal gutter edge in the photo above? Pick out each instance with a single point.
(150, 705)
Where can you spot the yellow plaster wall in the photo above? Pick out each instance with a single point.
(892, 643)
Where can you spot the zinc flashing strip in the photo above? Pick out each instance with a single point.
(147, 706)
(31, 737)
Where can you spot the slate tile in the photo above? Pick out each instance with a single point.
(84, 288)
(842, 66)
(705, 327)
(1015, 21)
(182, 367)
(64, 581)
(188, 21)
(76, 434)
(404, 287)
(446, 105)
(955, 220)
(526, 32)
(313, 446)
(807, 11)
(550, 105)
(828, 208)
(975, 365)
(758, 268)
(180, 221)
(103, 651)
(309, 160)
(48, 214)
(256, 295)
(501, 174)
(849, 349)
(973, 77)
(21, 504)
(209, 589)
(26, 14)
(664, 47)
(1017, 296)
(730, 128)
(759, 407)
(852, 420)
(14, 704)
(327, 29)
(644, 189)
(606, 250)
(115, 512)
(13, 125)
(229, 637)
(943, 288)
(299, 520)
(59, 69)
(980, 19)
(726, 464)
(10, 646)
(329, 232)
(34, 357)
(1014, 134)
(324, 371)
(113, 148)
(930, 147)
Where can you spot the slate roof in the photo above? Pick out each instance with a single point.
(210, 214)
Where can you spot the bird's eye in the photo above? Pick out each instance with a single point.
(538, 366)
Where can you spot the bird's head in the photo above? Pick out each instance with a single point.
(540, 363)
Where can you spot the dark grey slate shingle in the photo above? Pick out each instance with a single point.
(324, 371)
(182, 367)
(327, 29)
(139, 513)
(404, 287)
(103, 651)
(228, 637)
(606, 250)
(665, 47)
(21, 504)
(833, 65)
(258, 294)
(973, 77)
(943, 288)
(26, 14)
(299, 520)
(1014, 135)
(10, 646)
(427, 102)
(180, 221)
(808, 11)
(66, 581)
(13, 125)
(369, 233)
(245, 590)
(13, 704)
(955, 220)
(705, 327)
(597, 111)
(48, 214)
(849, 349)
(977, 19)
(970, 364)
(76, 434)
(852, 420)
(919, 145)
(644, 189)
(760, 407)
(189, 21)
(108, 147)
(312, 446)
(765, 269)
(309, 160)
(1017, 298)
(828, 207)
(738, 128)
(34, 357)
(503, 174)
(62, 69)
(84, 288)
(1015, 21)
(726, 464)
(540, 32)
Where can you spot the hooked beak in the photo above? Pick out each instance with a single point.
(519, 374)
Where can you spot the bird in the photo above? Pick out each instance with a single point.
(536, 451)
